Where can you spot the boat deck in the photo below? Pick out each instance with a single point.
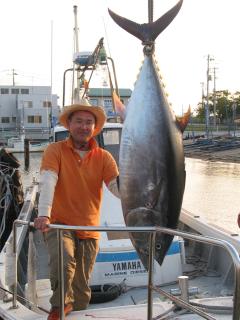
(210, 288)
(132, 305)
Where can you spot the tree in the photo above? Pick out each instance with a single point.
(227, 106)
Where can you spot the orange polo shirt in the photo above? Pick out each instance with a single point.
(78, 192)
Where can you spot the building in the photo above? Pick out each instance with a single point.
(103, 97)
(28, 110)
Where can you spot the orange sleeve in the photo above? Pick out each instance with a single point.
(110, 169)
(51, 158)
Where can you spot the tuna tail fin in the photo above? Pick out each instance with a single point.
(147, 32)
(182, 122)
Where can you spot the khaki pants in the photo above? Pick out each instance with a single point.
(79, 256)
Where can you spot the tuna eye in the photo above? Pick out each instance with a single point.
(158, 246)
(149, 205)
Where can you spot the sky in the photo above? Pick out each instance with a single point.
(202, 28)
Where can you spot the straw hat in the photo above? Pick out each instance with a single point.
(84, 105)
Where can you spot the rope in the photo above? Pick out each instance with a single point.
(7, 194)
(6, 200)
(150, 11)
(111, 87)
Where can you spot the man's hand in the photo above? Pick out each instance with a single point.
(238, 220)
(42, 223)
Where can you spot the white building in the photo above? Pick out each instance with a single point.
(28, 109)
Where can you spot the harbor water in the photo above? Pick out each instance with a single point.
(212, 189)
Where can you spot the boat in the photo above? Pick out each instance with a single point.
(200, 271)
(16, 145)
(199, 278)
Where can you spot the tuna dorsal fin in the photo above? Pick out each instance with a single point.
(182, 122)
(147, 32)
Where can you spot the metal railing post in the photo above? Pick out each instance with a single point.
(60, 273)
(183, 284)
(236, 296)
(150, 274)
(15, 263)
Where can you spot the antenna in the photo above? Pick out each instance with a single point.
(13, 78)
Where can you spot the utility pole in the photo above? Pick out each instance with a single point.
(234, 107)
(207, 97)
(203, 103)
(202, 85)
(13, 78)
(214, 98)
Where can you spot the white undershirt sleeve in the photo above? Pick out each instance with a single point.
(47, 183)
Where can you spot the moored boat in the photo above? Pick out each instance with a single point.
(16, 145)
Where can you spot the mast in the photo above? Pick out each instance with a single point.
(76, 90)
(50, 116)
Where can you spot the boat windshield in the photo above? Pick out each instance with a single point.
(61, 135)
(111, 141)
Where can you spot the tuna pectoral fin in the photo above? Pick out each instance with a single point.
(140, 217)
(147, 31)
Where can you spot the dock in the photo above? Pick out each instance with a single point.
(224, 148)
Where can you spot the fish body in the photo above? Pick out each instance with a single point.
(151, 160)
(151, 163)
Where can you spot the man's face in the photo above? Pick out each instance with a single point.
(81, 126)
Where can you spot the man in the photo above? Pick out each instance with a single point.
(72, 174)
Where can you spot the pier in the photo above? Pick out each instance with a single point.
(222, 148)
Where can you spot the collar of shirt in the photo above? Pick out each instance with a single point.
(92, 143)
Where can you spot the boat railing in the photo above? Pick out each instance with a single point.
(152, 235)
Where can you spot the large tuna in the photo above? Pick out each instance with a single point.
(151, 163)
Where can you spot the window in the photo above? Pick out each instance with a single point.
(47, 104)
(30, 119)
(27, 104)
(94, 102)
(108, 106)
(34, 119)
(107, 103)
(5, 119)
(4, 90)
(14, 119)
(24, 91)
(111, 136)
(15, 91)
